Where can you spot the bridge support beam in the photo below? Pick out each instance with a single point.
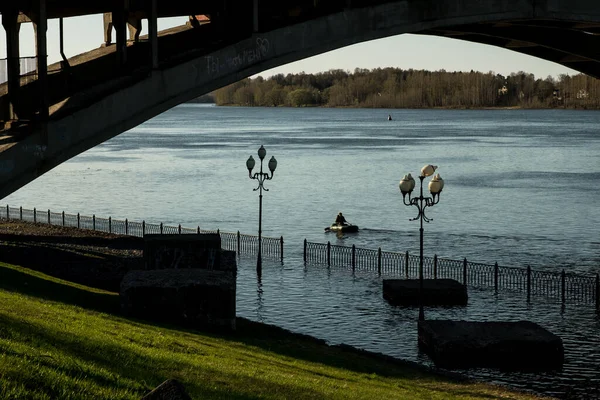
(40, 26)
(12, 27)
(153, 33)
(255, 16)
(134, 26)
(119, 21)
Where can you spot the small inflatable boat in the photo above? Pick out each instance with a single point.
(343, 228)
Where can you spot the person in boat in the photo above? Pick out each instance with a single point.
(340, 220)
(389, 117)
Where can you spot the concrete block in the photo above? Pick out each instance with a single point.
(193, 297)
(521, 345)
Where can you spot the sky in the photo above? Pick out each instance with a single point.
(402, 51)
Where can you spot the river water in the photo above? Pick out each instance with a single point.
(519, 190)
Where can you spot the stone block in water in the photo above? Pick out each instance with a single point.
(405, 292)
(195, 298)
(522, 345)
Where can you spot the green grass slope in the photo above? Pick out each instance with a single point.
(60, 340)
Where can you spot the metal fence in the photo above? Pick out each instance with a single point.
(562, 286)
(28, 68)
(238, 242)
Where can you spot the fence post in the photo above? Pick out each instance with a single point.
(93, 222)
(465, 272)
(48, 216)
(143, 227)
(78, 223)
(7, 212)
(281, 249)
(198, 229)
(179, 229)
(21, 213)
(304, 250)
(528, 283)
(161, 228)
(353, 257)
(63, 217)
(126, 226)
(328, 253)
(563, 284)
(597, 292)
(109, 224)
(379, 261)
(496, 278)
(34, 215)
(406, 264)
(239, 242)
(435, 266)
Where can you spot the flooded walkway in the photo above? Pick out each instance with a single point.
(340, 307)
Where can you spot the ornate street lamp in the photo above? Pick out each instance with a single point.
(261, 177)
(407, 184)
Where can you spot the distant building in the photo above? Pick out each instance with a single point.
(556, 94)
(582, 94)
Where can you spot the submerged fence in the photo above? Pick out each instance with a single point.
(566, 287)
(563, 286)
(238, 242)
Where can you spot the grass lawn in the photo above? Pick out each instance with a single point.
(59, 340)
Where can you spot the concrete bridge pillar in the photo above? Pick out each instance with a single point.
(40, 26)
(12, 27)
(153, 33)
(122, 21)
(134, 26)
(119, 22)
(255, 16)
(118, 19)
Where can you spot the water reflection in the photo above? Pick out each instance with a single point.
(259, 297)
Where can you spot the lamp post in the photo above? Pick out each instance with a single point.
(407, 184)
(261, 177)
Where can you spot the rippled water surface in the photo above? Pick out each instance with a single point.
(521, 190)
(343, 307)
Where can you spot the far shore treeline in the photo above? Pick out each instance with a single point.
(397, 88)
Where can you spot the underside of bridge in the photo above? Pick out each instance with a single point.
(80, 102)
(565, 32)
(569, 43)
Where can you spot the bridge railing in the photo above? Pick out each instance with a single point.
(234, 241)
(27, 67)
(562, 286)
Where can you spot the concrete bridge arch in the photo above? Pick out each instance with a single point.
(556, 30)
